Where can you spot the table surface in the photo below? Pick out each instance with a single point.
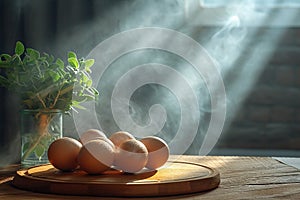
(241, 178)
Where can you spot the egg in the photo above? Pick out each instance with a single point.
(94, 134)
(63, 152)
(131, 156)
(106, 140)
(96, 156)
(91, 134)
(158, 151)
(119, 137)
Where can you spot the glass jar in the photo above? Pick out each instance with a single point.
(39, 128)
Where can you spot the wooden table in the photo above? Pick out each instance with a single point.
(241, 178)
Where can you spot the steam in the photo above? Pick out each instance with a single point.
(223, 45)
(227, 47)
(238, 49)
(124, 85)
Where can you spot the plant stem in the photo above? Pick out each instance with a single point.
(42, 129)
(55, 100)
(44, 93)
(41, 100)
(32, 147)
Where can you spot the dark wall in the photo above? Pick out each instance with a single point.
(45, 26)
(269, 119)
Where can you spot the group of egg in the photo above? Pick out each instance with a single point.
(96, 153)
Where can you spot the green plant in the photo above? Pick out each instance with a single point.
(44, 84)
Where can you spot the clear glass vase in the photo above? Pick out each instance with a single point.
(39, 128)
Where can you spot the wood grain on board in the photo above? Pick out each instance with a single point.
(241, 178)
(175, 178)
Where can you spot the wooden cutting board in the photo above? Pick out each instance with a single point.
(176, 178)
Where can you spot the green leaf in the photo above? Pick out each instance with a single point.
(53, 66)
(41, 73)
(19, 50)
(62, 73)
(60, 63)
(25, 147)
(55, 76)
(89, 97)
(16, 60)
(71, 54)
(39, 151)
(89, 83)
(95, 91)
(5, 58)
(84, 77)
(49, 58)
(73, 62)
(77, 105)
(34, 54)
(89, 63)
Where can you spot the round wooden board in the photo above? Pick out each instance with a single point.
(176, 178)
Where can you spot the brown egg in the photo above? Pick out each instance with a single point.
(106, 140)
(90, 135)
(96, 156)
(158, 151)
(63, 152)
(131, 156)
(119, 137)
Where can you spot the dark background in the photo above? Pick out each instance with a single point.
(268, 118)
